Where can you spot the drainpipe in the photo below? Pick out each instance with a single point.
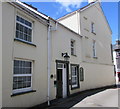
(50, 28)
(49, 63)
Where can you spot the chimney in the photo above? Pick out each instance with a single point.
(90, 1)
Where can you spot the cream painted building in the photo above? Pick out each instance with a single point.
(44, 60)
(116, 56)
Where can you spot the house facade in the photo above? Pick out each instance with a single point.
(96, 39)
(43, 59)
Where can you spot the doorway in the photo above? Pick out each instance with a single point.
(61, 80)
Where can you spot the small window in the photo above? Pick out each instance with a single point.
(118, 63)
(85, 18)
(22, 76)
(94, 48)
(92, 27)
(81, 74)
(75, 76)
(72, 47)
(23, 29)
(111, 46)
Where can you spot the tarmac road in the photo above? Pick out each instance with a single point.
(106, 98)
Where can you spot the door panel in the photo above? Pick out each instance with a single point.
(59, 83)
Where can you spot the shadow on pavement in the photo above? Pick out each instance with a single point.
(69, 102)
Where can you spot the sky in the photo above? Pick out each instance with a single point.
(59, 8)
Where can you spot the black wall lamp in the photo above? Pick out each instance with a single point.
(66, 56)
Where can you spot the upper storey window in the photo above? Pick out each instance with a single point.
(94, 48)
(92, 27)
(73, 47)
(23, 29)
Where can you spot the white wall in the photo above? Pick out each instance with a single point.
(115, 63)
(99, 69)
(97, 75)
(72, 22)
(95, 68)
(96, 71)
(60, 44)
(0, 54)
(103, 35)
(114, 57)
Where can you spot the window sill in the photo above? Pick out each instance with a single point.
(93, 33)
(73, 88)
(24, 42)
(73, 55)
(81, 80)
(21, 93)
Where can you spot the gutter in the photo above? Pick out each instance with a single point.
(40, 14)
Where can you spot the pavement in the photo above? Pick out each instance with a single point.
(107, 98)
(103, 97)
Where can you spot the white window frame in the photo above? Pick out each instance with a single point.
(74, 76)
(73, 47)
(94, 49)
(20, 75)
(25, 26)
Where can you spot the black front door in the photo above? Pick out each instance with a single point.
(59, 83)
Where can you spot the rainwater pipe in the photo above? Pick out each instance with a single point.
(50, 28)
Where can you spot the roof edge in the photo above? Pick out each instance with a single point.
(85, 7)
(45, 17)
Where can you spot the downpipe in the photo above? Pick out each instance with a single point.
(49, 62)
(50, 28)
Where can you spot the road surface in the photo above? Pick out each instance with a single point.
(107, 98)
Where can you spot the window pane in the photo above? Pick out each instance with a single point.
(74, 80)
(21, 82)
(16, 70)
(92, 27)
(16, 63)
(29, 32)
(17, 34)
(18, 18)
(29, 38)
(72, 43)
(74, 76)
(28, 23)
(17, 26)
(25, 37)
(21, 35)
(22, 20)
(23, 30)
(22, 67)
(72, 47)
(72, 51)
(94, 48)
(81, 76)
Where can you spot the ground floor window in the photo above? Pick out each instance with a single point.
(22, 76)
(75, 76)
